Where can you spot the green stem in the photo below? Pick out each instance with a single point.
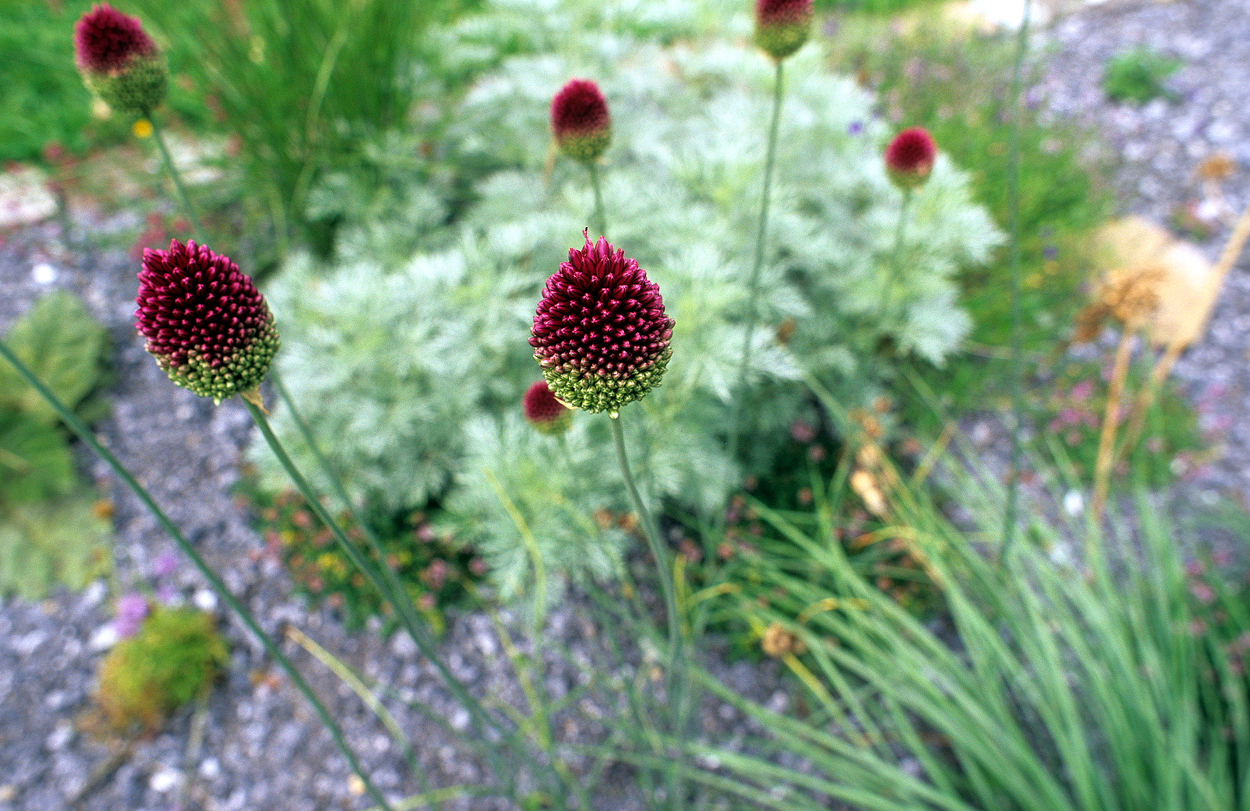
(664, 569)
(80, 430)
(753, 287)
(1017, 337)
(896, 260)
(187, 208)
(601, 219)
(388, 586)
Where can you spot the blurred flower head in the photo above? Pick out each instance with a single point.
(600, 332)
(909, 157)
(580, 120)
(118, 61)
(782, 26)
(205, 322)
(547, 414)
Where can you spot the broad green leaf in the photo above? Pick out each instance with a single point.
(35, 462)
(51, 543)
(61, 344)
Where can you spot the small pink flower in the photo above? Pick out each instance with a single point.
(909, 157)
(580, 120)
(782, 26)
(132, 609)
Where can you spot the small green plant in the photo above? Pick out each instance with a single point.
(173, 658)
(50, 530)
(1139, 75)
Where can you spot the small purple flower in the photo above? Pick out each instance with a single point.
(166, 563)
(580, 120)
(543, 411)
(132, 610)
(600, 332)
(118, 61)
(205, 322)
(782, 26)
(909, 157)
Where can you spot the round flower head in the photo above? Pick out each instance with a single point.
(600, 333)
(118, 61)
(547, 414)
(782, 26)
(580, 120)
(909, 157)
(205, 322)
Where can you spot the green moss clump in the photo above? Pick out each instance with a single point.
(175, 655)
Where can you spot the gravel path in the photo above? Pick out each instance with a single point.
(261, 746)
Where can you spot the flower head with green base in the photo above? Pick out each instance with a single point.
(119, 62)
(782, 26)
(600, 332)
(909, 158)
(543, 411)
(206, 324)
(580, 120)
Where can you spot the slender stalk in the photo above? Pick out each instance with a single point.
(84, 433)
(172, 170)
(1017, 333)
(753, 287)
(896, 260)
(676, 666)
(388, 586)
(601, 219)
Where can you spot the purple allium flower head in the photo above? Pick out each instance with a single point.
(909, 157)
(132, 609)
(580, 120)
(205, 322)
(782, 26)
(118, 61)
(600, 332)
(543, 411)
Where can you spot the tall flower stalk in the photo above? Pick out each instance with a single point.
(781, 28)
(602, 339)
(582, 127)
(1017, 323)
(909, 159)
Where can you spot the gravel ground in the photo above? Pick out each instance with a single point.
(261, 747)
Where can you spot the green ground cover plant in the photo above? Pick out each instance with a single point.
(1139, 75)
(50, 531)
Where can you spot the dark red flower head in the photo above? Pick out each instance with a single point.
(580, 120)
(547, 414)
(205, 322)
(909, 157)
(118, 60)
(600, 332)
(782, 26)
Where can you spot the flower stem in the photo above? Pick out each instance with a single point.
(601, 219)
(664, 569)
(1017, 336)
(896, 259)
(753, 287)
(388, 586)
(172, 170)
(80, 430)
